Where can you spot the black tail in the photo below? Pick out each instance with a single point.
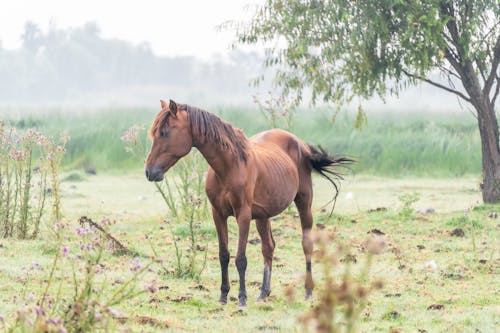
(326, 164)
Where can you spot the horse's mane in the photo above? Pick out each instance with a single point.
(207, 127)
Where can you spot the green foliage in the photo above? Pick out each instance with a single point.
(407, 200)
(417, 143)
(341, 49)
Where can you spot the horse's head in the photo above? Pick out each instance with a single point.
(171, 136)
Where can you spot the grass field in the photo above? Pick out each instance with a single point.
(465, 280)
(440, 270)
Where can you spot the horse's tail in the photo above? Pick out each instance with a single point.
(327, 166)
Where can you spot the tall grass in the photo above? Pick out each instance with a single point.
(391, 144)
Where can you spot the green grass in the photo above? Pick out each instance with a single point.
(465, 281)
(391, 150)
(392, 144)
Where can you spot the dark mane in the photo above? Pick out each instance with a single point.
(207, 127)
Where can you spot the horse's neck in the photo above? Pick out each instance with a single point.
(221, 160)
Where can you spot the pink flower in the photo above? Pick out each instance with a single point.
(64, 250)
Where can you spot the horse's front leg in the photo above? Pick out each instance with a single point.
(221, 226)
(243, 219)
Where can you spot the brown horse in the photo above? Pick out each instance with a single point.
(254, 178)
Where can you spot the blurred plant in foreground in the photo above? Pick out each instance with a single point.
(340, 301)
(89, 302)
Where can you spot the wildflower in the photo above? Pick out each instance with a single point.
(64, 251)
(131, 135)
(97, 316)
(17, 155)
(135, 265)
(81, 231)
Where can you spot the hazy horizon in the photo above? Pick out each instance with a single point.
(90, 54)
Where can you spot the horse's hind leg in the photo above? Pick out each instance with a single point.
(303, 201)
(266, 235)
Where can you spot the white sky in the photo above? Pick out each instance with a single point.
(171, 27)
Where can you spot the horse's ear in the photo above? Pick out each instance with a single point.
(163, 104)
(173, 108)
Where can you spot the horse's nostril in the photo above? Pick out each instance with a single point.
(147, 174)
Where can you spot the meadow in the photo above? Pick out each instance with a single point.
(415, 189)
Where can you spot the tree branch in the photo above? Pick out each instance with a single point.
(494, 65)
(456, 92)
(449, 72)
(497, 90)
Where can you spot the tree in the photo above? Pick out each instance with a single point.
(346, 48)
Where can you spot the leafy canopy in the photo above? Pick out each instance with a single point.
(346, 48)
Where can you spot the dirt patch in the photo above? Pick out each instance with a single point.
(376, 232)
(435, 307)
(378, 209)
(254, 241)
(457, 232)
(179, 299)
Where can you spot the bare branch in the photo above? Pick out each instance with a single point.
(456, 92)
(497, 90)
(449, 72)
(494, 65)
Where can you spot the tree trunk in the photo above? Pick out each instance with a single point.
(488, 129)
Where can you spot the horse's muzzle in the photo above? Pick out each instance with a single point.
(154, 174)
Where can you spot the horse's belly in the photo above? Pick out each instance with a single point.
(273, 195)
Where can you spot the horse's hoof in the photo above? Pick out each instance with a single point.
(262, 298)
(242, 304)
(223, 300)
(309, 295)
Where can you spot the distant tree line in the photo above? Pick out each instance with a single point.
(62, 64)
